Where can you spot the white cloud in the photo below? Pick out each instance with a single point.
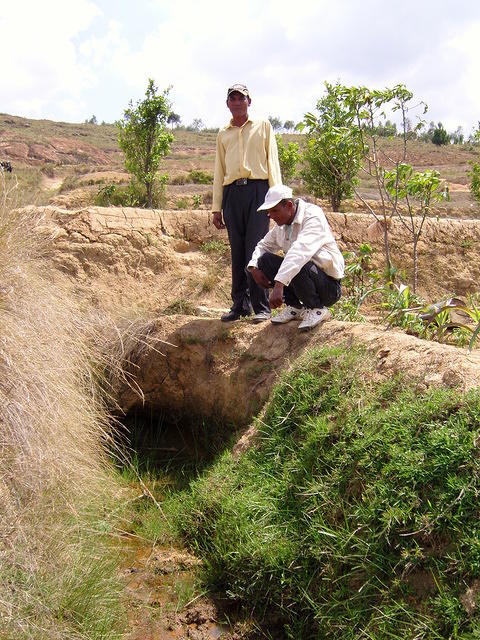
(43, 69)
(96, 55)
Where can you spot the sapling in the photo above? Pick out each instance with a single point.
(144, 137)
(369, 107)
(417, 190)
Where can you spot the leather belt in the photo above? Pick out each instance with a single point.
(241, 182)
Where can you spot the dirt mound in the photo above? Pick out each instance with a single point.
(206, 368)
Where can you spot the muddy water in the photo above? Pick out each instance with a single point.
(162, 599)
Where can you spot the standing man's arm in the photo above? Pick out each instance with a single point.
(274, 173)
(218, 177)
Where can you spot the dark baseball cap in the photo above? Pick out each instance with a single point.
(241, 88)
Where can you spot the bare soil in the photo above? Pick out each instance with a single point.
(163, 604)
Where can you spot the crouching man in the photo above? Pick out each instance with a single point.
(307, 277)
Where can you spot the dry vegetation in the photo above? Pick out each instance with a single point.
(55, 580)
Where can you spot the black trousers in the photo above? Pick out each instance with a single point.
(310, 288)
(245, 226)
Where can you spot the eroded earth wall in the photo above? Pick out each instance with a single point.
(149, 246)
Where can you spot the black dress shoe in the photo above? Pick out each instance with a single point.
(231, 316)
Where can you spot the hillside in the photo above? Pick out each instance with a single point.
(66, 164)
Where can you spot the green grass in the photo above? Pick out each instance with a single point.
(217, 247)
(357, 514)
(167, 452)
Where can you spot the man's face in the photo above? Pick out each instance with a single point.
(238, 104)
(282, 213)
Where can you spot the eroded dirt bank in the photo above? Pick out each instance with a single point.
(208, 368)
(151, 258)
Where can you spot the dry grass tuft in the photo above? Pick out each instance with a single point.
(53, 432)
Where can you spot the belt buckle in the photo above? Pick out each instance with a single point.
(241, 182)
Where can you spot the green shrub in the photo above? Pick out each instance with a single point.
(474, 174)
(197, 200)
(200, 177)
(440, 136)
(182, 203)
(194, 176)
(131, 195)
(219, 247)
(288, 157)
(181, 306)
(68, 184)
(356, 516)
(180, 179)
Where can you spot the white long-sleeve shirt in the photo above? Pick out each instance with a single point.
(307, 238)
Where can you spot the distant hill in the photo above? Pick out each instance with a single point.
(33, 142)
(51, 159)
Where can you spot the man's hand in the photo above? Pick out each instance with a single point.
(276, 297)
(217, 220)
(260, 278)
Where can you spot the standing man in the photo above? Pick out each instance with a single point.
(307, 277)
(246, 165)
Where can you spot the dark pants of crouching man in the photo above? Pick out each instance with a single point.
(310, 288)
(245, 226)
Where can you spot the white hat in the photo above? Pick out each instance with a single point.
(241, 88)
(275, 194)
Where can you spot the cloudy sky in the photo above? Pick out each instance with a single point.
(69, 59)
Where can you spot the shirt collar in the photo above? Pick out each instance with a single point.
(298, 218)
(300, 204)
(232, 126)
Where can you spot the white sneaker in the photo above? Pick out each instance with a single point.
(287, 314)
(261, 316)
(312, 317)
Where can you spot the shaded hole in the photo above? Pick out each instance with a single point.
(157, 440)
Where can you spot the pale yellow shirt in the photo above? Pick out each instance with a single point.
(249, 151)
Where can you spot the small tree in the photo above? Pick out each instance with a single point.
(174, 119)
(288, 125)
(288, 157)
(370, 107)
(457, 137)
(387, 129)
(474, 174)
(333, 152)
(440, 135)
(144, 138)
(474, 137)
(418, 191)
(197, 125)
